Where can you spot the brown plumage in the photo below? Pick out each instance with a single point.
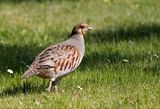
(58, 60)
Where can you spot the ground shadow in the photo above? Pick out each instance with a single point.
(98, 60)
(25, 88)
(137, 33)
(15, 57)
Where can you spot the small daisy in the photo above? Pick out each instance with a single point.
(79, 87)
(10, 71)
(125, 60)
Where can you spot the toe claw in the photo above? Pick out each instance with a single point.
(47, 89)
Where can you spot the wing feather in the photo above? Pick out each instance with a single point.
(58, 56)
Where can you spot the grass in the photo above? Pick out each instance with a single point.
(123, 30)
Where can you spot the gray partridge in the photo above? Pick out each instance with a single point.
(60, 59)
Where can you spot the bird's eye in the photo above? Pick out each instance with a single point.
(82, 27)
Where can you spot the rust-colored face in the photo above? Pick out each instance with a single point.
(80, 29)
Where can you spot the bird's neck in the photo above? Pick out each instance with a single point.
(78, 37)
(79, 42)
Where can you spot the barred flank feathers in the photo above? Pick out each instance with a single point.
(27, 74)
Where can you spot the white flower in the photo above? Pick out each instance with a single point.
(156, 56)
(37, 102)
(10, 71)
(125, 60)
(79, 87)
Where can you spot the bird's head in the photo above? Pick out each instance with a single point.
(80, 29)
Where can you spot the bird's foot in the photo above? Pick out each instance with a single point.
(47, 89)
(55, 88)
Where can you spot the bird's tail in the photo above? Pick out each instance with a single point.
(27, 74)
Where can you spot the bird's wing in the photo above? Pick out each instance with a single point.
(60, 57)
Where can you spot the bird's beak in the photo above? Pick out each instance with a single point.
(89, 28)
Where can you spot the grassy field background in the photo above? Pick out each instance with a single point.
(121, 67)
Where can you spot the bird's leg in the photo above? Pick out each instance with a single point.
(55, 84)
(56, 88)
(24, 85)
(43, 84)
(49, 87)
(50, 84)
